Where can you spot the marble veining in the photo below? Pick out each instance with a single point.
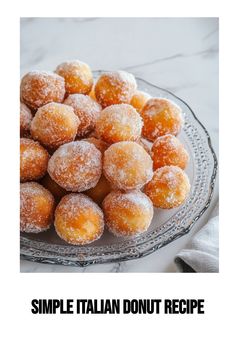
(207, 52)
(178, 54)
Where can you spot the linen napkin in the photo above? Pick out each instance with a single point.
(202, 252)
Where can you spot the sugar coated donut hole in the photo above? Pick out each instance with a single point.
(160, 117)
(168, 150)
(54, 124)
(127, 214)
(41, 87)
(87, 110)
(100, 191)
(78, 220)
(78, 76)
(139, 99)
(36, 207)
(25, 121)
(33, 160)
(119, 122)
(101, 145)
(127, 165)
(168, 188)
(57, 191)
(76, 166)
(114, 88)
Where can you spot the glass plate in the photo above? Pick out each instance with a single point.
(167, 225)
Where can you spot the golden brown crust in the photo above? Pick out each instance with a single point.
(78, 220)
(36, 207)
(119, 122)
(167, 150)
(76, 166)
(54, 125)
(77, 75)
(115, 88)
(33, 160)
(168, 188)
(127, 214)
(127, 165)
(161, 117)
(41, 87)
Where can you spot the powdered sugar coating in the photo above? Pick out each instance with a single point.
(25, 120)
(54, 124)
(78, 220)
(127, 165)
(127, 213)
(87, 110)
(168, 188)
(78, 76)
(160, 117)
(168, 150)
(115, 87)
(36, 207)
(76, 166)
(119, 122)
(33, 160)
(41, 87)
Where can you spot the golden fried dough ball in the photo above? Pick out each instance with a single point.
(161, 117)
(78, 220)
(168, 150)
(41, 87)
(76, 166)
(127, 165)
(168, 188)
(127, 213)
(119, 122)
(78, 76)
(54, 124)
(33, 160)
(36, 207)
(114, 88)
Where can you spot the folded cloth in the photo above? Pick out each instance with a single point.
(202, 252)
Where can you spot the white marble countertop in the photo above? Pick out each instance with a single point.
(178, 54)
